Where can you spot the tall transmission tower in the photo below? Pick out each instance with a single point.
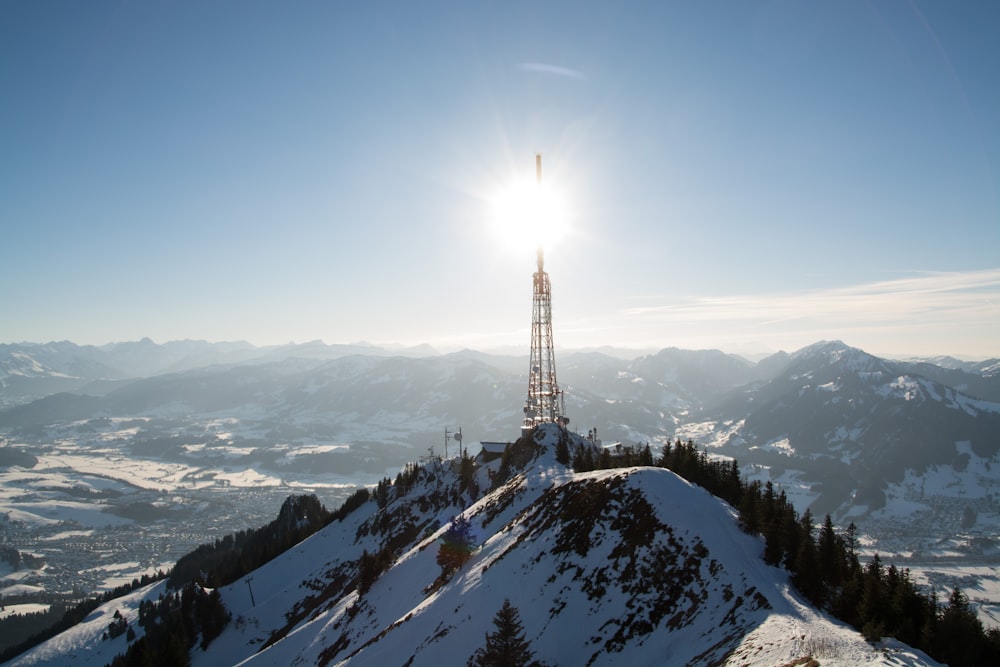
(545, 400)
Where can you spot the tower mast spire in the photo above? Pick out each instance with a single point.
(544, 402)
(538, 183)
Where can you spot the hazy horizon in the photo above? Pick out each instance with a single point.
(749, 350)
(765, 176)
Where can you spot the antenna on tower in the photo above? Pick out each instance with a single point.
(538, 182)
(545, 400)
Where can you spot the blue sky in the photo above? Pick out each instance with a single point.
(738, 175)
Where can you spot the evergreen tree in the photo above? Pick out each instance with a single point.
(928, 633)
(872, 607)
(666, 454)
(604, 460)
(382, 492)
(732, 483)
(750, 509)
(807, 577)
(506, 466)
(645, 456)
(828, 553)
(768, 500)
(456, 545)
(467, 476)
(584, 460)
(773, 548)
(959, 632)
(791, 532)
(852, 553)
(506, 647)
(562, 449)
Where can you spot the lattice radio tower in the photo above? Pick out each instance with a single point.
(545, 400)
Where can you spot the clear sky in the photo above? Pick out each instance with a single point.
(737, 175)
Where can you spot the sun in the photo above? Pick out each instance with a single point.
(526, 214)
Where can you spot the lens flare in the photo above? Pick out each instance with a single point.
(527, 214)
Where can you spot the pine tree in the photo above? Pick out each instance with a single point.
(960, 633)
(872, 607)
(645, 456)
(506, 466)
(382, 492)
(750, 509)
(829, 554)
(467, 476)
(790, 529)
(807, 577)
(506, 647)
(456, 545)
(604, 459)
(666, 454)
(584, 460)
(562, 449)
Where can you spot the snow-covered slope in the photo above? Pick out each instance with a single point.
(854, 423)
(630, 566)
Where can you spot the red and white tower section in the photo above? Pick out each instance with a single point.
(545, 399)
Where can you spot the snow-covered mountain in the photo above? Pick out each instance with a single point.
(852, 423)
(630, 566)
(896, 447)
(34, 370)
(987, 367)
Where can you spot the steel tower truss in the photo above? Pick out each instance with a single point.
(544, 403)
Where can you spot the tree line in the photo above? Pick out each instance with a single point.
(173, 624)
(60, 618)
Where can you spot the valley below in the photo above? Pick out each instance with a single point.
(107, 501)
(102, 506)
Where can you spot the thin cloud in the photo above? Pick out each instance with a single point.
(971, 295)
(555, 70)
(939, 312)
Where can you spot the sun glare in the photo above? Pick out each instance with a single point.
(527, 215)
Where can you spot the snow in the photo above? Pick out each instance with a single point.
(82, 644)
(18, 589)
(28, 608)
(144, 474)
(974, 406)
(710, 433)
(290, 452)
(30, 367)
(975, 481)
(405, 617)
(248, 477)
(55, 512)
(781, 446)
(907, 388)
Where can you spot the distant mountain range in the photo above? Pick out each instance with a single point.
(909, 450)
(849, 425)
(34, 370)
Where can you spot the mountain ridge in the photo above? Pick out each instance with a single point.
(911, 461)
(628, 565)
